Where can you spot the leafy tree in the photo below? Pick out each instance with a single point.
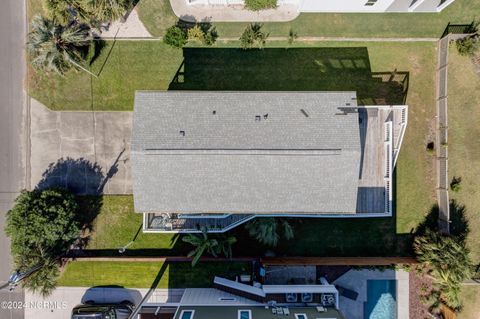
(175, 37)
(266, 230)
(54, 47)
(41, 226)
(253, 37)
(447, 260)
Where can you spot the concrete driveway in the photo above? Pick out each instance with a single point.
(60, 303)
(86, 152)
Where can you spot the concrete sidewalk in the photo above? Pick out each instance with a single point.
(132, 27)
(81, 151)
(232, 13)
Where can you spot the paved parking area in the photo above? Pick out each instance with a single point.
(86, 152)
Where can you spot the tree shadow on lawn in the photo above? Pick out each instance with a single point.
(290, 69)
(84, 179)
(458, 221)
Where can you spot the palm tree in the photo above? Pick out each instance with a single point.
(107, 10)
(55, 47)
(265, 230)
(448, 262)
(88, 11)
(202, 244)
(225, 246)
(65, 11)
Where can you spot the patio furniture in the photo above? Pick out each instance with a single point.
(286, 311)
(307, 297)
(274, 311)
(291, 297)
(347, 293)
(279, 311)
(328, 300)
(321, 309)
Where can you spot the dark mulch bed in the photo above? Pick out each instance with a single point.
(420, 285)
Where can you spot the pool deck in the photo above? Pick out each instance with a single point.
(356, 280)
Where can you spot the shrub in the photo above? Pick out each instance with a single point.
(455, 184)
(253, 37)
(256, 5)
(447, 260)
(211, 35)
(196, 34)
(175, 37)
(468, 46)
(292, 36)
(202, 33)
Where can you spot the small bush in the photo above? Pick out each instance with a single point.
(256, 5)
(253, 37)
(292, 36)
(455, 184)
(468, 46)
(211, 36)
(175, 37)
(196, 34)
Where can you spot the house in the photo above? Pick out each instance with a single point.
(343, 6)
(235, 300)
(219, 159)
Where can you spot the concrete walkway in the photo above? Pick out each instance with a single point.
(232, 13)
(82, 151)
(132, 28)
(442, 136)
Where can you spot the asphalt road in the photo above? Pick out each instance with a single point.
(12, 131)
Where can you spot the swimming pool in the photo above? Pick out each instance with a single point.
(381, 299)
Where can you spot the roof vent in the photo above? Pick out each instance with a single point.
(182, 133)
(214, 112)
(304, 112)
(265, 116)
(258, 118)
(348, 104)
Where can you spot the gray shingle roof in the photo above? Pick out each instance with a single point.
(255, 152)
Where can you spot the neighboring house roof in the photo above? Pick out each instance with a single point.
(231, 312)
(255, 152)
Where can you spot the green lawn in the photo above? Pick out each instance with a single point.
(117, 224)
(463, 144)
(123, 67)
(470, 297)
(157, 15)
(144, 274)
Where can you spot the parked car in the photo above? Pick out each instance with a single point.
(103, 311)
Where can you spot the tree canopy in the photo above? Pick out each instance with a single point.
(41, 226)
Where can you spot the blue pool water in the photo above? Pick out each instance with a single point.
(381, 299)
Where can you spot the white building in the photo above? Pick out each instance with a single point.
(344, 6)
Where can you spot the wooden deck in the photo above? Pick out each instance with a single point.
(371, 185)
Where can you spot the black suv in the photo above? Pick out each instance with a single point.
(103, 311)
